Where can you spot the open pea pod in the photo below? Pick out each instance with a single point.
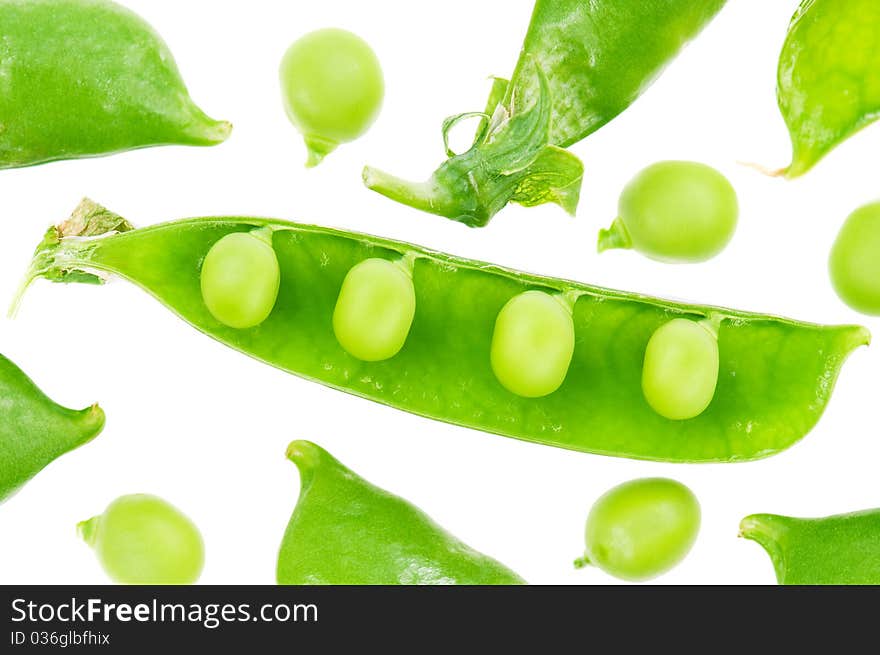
(81, 78)
(828, 76)
(578, 69)
(834, 550)
(775, 375)
(35, 430)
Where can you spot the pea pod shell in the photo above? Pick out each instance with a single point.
(344, 530)
(829, 76)
(81, 78)
(34, 430)
(835, 550)
(586, 51)
(775, 375)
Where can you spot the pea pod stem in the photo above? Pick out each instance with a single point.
(616, 236)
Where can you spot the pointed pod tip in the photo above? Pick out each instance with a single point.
(87, 530)
(303, 453)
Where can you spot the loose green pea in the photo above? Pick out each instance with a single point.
(855, 260)
(239, 279)
(675, 211)
(532, 344)
(680, 372)
(641, 528)
(141, 539)
(374, 310)
(333, 87)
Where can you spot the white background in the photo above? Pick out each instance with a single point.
(206, 427)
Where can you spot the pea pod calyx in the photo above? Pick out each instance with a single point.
(579, 68)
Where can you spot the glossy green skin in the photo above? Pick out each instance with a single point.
(675, 211)
(34, 430)
(828, 84)
(332, 86)
(345, 531)
(81, 78)
(854, 264)
(583, 52)
(641, 528)
(836, 550)
(142, 539)
(776, 375)
(680, 373)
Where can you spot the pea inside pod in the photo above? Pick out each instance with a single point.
(533, 343)
(775, 375)
(375, 309)
(240, 278)
(142, 539)
(680, 373)
(82, 78)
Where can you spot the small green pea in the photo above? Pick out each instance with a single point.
(641, 528)
(532, 344)
(680, 371)
(239, 279)
(333, 87)
(855, 260)
(675, 211)
(141, 539)
(374, 310)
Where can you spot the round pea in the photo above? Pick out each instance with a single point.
(641, 528)
(240, 278)
(374, 310)
(333, 87)
(680, 371)
(141, 539)
(675, 211)
(532, 344)
(855, 260)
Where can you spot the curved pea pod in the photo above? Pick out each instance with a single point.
(82, 78)
(577, 70)
(344, 530)
(835, 550)
(775, 376)
(34, 430)
(829, 76)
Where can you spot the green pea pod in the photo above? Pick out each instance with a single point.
(81, 78)
(828, 76)
(835, 550)
(775, 376)
(34, 430)
(577, 70)
(344, 530)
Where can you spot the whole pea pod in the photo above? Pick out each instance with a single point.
(578, 69)
(536, 358)
(81, 78)
(344, 530)
(34, 430)
(835, 550)
(828, 77)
